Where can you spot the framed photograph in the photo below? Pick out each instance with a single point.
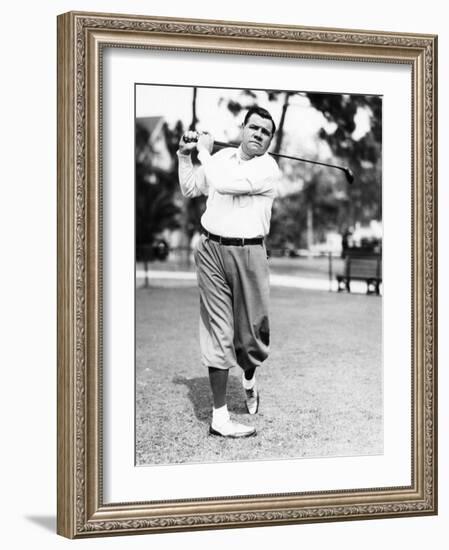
(247, 277)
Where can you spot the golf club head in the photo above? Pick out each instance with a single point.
(349, 175)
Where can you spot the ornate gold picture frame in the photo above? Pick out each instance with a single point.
(82, 508)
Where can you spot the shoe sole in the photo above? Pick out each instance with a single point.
(231, 436)
(257, 408)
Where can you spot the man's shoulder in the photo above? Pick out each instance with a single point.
(268, 162)
(226, 152)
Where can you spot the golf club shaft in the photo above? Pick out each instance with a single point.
(347, 171)
(342, 168)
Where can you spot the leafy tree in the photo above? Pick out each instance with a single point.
(303, 217)
(325, 201)
(274, 96)
(156, 209)
(363, 156)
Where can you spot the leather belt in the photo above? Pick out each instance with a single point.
(231, 241)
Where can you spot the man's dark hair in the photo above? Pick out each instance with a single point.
(262, 113)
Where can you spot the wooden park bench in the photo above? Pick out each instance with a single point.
(360, 266)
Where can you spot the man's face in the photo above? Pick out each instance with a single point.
(257, 134)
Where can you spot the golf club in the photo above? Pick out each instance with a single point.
(347, 171)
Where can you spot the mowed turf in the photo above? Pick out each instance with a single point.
(321, 388)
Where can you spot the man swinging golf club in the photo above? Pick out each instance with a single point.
(231, 260)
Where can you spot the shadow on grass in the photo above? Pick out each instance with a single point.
(199, 393)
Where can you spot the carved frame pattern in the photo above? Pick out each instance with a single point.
(81, 37)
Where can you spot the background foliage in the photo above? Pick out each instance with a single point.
(313, 200)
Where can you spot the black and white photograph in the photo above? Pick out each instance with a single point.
(258, 274)
(247, 284)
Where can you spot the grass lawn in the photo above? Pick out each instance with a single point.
(321, 388)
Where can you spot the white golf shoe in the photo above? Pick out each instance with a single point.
(232, 429)
(252, 397)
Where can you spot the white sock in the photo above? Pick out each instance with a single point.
(220, 416)
(249, 384)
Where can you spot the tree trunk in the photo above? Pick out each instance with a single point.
(194, 117)
(185, 222)
(309, 227)
(280, 130)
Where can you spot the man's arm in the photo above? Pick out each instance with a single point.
(228, 179)
(237, 179)
(191, 181)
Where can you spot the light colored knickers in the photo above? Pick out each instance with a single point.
(234, 292)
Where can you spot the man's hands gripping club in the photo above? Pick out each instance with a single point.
(195, 140)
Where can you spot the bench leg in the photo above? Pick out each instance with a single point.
(340, 283)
